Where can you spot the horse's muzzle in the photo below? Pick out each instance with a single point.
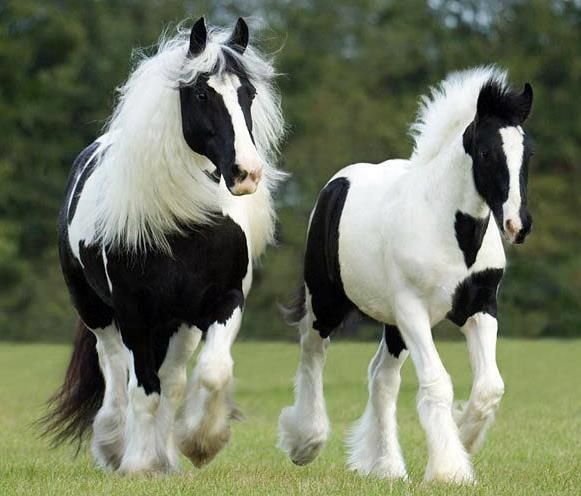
(516, 230)
(246, 180)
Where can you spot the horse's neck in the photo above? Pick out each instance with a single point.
(448, 183)
(255, 213)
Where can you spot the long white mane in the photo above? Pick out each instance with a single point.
(149, 182)
(448, 110)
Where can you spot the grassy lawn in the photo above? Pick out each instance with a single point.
(533, 448)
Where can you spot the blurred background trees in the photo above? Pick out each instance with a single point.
(352, 71)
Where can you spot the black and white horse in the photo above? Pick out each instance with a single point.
(409, 243)
(157, 242)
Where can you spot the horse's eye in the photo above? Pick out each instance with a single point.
(484, 154)
(201, 96)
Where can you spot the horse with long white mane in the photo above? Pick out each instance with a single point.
(157, 242)
(409, 243)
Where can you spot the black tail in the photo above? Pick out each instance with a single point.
(73, 407)
(294, 312)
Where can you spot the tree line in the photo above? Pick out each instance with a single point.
(351, 74)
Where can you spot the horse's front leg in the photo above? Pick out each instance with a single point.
(203, 424)
(173, 377)
(477, 415)
(447, 458)
(146, 429)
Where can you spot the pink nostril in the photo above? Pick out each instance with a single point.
(510, 227)
(256, 175)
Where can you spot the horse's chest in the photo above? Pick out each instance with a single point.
(205, 263)
(440, 293)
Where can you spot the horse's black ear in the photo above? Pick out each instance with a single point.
(198, 38)
(526, 102)
(238, 40)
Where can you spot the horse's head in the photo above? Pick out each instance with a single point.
(500, 151)
(216, 113)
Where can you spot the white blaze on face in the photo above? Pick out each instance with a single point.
(513, 146)
(246, 155)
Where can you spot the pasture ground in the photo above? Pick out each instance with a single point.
(533, 448)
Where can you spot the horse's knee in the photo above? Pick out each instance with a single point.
(487, 396)
(142, 403)
(173, 384)
(215, 372)
(438, 392)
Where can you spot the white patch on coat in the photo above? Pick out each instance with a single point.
(513, 146)
(246, 155)
(104, 257)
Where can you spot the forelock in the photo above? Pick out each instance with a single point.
(499, 100)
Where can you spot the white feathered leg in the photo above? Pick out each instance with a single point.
(148, 427)
(108, 442)
(203, 423)
(373, 443)
(173, 377)
(304, 427)
(475, 417)
(447, 458)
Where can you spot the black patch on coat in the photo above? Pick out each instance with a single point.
(153, 293)
(393, 340)
(246, 93)
(476, 293)
(470, 232)
(322, 273)
(93, 310)
(88, 294)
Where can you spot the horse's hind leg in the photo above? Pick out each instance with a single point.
(108, 443)
(373, 444)
(203, 423)
(477, 415)
(304, 427)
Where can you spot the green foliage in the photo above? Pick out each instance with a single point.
(352, 72)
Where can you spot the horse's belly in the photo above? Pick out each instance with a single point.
(361, 254)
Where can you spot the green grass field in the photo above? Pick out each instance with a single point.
(533, 448)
